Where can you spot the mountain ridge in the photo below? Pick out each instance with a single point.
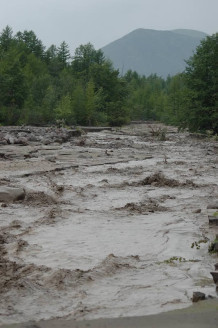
(149, 51)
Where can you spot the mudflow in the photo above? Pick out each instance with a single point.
(105, 222)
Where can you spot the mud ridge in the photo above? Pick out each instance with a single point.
(156, 180)
(115, 194)
(143, 208)
(23, 276)
(20, 276)
(43, 172)
(159, 180)
(39, 198)
(109, 266)
(13, 274)
(138, 170)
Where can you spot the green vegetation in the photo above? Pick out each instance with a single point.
(213, 246)
(197, 244)
(47, 86)
(176, 260)
(187, 100)
(39, 86)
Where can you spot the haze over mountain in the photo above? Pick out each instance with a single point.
(153, 52)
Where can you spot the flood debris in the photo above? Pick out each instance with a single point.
(45, 135)
(39, 198)
(11, 194)
(144, 208)
(158, 179)
(101, 214)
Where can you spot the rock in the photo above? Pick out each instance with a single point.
(197, 211)
(215, 276)
(75, 133)
(210, 297)
(51, 158)
(82, 156)
(21, 141)
(216, 266)
(3, 142)
(212, 205)
(198, 296)
(213, 219)
(46, 141)
(10, 139)
(33, 138)
(4, 205)
(11, 194)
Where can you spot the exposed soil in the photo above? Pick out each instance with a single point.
(107, 224)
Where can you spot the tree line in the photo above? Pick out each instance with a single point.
(40, 86)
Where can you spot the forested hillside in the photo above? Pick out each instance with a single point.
(42, 86)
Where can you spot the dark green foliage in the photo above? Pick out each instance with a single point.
(30, 43)
(202, 82)
(63, 54)
(6, 39)
(39, 86)
(188, 100)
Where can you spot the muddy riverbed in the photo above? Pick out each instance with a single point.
(107, 225)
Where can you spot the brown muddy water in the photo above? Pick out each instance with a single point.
(107, 225)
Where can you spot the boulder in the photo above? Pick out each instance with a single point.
(216, 246)
(198, 296)
(46, 141)
(33, 138)
(10, 139)
(3, 142)
(212, 205)
(21, 141)
(11, 194)
(215, 276)
(213, 219)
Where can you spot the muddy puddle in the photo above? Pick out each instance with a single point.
(107, 225)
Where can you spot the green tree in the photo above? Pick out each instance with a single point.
(29, 42)
(175, 100)
(6, 39)
(12, 91)
(201, 78)
(63, 53)
(64, 110)
(90, 103)
(79, 104)
(85, 56)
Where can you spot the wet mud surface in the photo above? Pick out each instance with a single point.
(106, 225)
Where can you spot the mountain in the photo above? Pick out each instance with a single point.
(153, 52)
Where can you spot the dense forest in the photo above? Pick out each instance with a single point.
(40, 86)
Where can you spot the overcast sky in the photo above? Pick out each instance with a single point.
(103, 21)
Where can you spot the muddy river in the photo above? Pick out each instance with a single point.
(107, 225)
